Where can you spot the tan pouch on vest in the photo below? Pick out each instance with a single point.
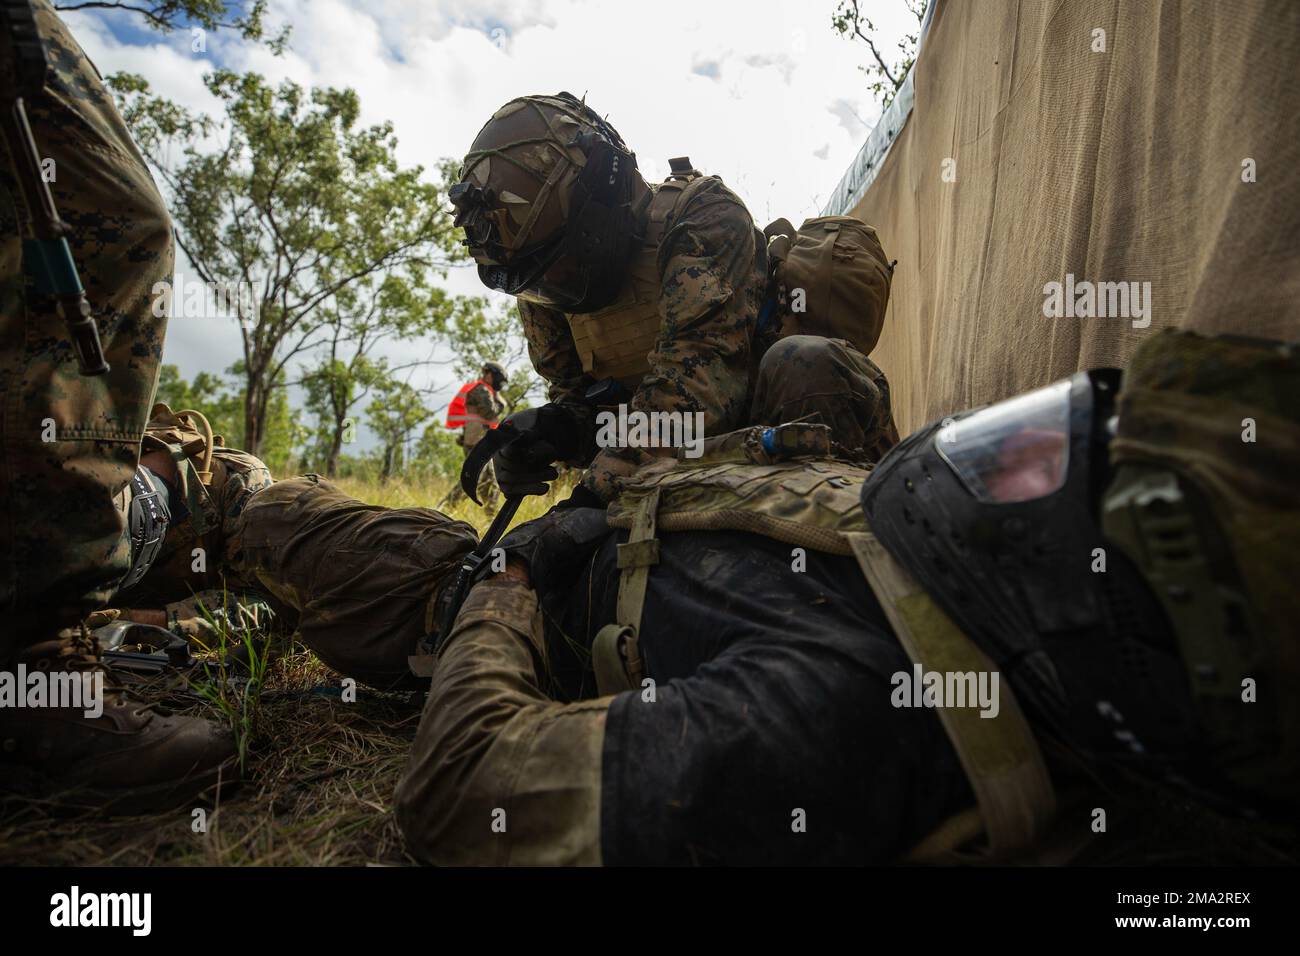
(835, 270)
(185, 434)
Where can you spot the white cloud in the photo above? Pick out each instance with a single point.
(764, 94)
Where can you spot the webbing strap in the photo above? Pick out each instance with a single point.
(616, 652)
(635, 558)
(1001, 758)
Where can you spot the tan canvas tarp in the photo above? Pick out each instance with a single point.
(1117, 166)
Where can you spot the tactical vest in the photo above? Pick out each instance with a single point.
(816, 504)
(458, 413)
(616, 341)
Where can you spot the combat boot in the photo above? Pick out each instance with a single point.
(102, 747)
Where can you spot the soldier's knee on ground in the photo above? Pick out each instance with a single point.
(803, 375)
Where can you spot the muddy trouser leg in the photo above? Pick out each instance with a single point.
(803, 374)
(362, 578)
(69, 444)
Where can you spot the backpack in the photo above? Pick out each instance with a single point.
(828, 278)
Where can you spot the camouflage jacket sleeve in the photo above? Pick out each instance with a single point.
(553, 354)
(713, 270)
(492, 738)
(556, 359)
(482, 403)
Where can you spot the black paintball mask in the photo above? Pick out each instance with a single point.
(579, 267)
(995, 512)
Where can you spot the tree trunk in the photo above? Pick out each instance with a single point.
(257, 398)
(332, 458)
(252, 419)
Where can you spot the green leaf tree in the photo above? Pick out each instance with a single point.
(478, 333)
(356, 322)
(396, 412)
(437, 453)
(249, 19)
(305, 214)
(222, 402)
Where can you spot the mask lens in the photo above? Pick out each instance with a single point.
(1017, 450)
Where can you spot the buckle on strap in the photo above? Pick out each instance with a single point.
(616, 651)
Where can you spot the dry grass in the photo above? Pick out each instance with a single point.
(318, 789)
(404, 493)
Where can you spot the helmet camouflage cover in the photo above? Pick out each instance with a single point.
(546, 201)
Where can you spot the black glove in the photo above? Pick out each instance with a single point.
(582, 497)
(557, 545)
(547, 434)
(524, 469)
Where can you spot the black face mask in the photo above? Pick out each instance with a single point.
(582, 268)
(995, 513)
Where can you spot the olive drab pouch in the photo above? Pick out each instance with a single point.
(830, 277)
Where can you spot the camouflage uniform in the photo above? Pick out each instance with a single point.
(710, 357)
(62, 546)
(487, 408)
(364, 579)
(63, 549)
(766, 684)
(804, 375)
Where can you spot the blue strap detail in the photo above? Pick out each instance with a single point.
(49, 263)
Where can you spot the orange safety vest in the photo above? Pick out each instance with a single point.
(457, 416)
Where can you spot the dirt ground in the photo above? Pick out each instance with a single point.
(319, 773)
(317, 790)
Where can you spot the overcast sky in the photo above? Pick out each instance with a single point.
(764, 94)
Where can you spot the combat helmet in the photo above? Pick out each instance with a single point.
(550, 199)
